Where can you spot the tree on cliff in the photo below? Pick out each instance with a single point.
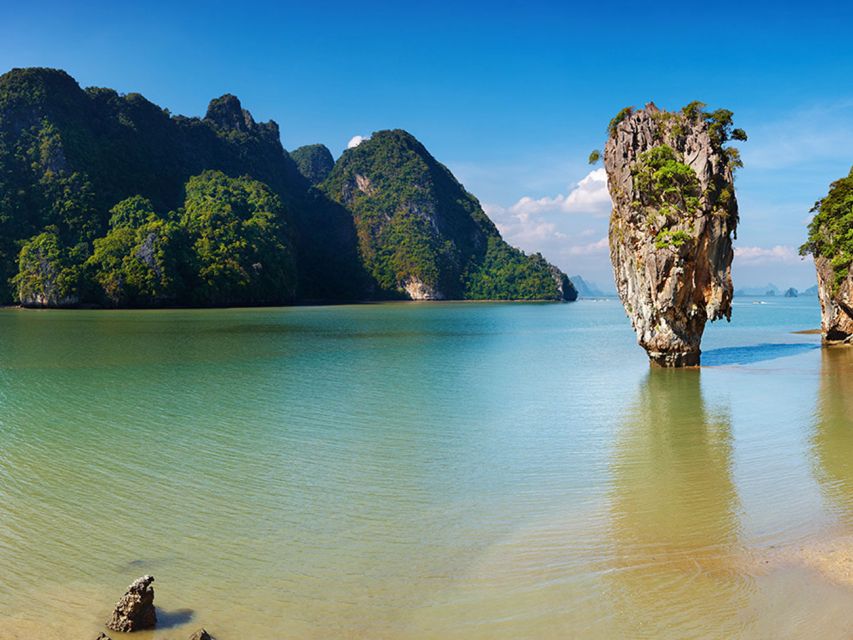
(831, 228)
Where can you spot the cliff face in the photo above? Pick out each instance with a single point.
(831, 243)
(836, 303)
(674, 214)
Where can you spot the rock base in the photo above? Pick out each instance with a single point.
(675, 359)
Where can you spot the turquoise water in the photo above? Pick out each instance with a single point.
(424, 471)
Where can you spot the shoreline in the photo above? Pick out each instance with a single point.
(312, 303)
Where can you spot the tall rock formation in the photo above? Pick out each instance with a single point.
(831, 243)
(674, 214)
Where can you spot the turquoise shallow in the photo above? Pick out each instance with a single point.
(424, 471)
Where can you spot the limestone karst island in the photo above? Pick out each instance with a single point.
(471, 321)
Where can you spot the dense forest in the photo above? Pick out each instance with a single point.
(107, 199)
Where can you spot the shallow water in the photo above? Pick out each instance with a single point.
(424, 471)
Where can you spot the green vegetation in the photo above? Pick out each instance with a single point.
(141, 263)
(619, 117)
(226, 246)
(594, 156)
(314, 162)
(48, 272)
(109, 199)
(666, 183)
(507, 273)
(720, 123)
(671, 238)
(240, 245)
(414, 220)
(831, 228)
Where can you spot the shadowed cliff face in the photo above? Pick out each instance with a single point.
(674, 213)
(836, 303)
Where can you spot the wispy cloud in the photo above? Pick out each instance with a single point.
(779, 254)
(589, 197)
(559, 226)
(593, 248)
(807, 135)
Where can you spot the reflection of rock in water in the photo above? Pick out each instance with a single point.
(674, 522)
(832, 442)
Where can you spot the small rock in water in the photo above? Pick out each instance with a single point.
(103, 636)
(201, 634)
(135, 609)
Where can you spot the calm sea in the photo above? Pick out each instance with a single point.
(424, 471)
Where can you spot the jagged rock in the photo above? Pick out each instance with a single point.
(103, 636)
(419, 290)
(836, 303)
(201, 634)
(135, 610)
(674, 213)
(226, 114)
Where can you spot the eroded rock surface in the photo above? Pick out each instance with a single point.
(135, 610)
(674, 214)
(836, 303)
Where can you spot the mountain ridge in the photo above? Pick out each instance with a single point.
(69, 156)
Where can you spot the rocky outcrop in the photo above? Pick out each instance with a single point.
(201, 634)
(416, 289)
(836, 303)
(674, 214)
(135, 610)
(830, 241)
(227, 114)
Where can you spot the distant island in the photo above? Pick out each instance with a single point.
(587, 289)
(771, 289)
(109, 200)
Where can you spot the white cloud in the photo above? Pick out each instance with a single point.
(767, 255)
(589, 196)
(593, 248)
(563, 228)
(356, 140)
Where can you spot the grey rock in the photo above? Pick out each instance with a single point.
(836, 304)
(670, 289)
(135, 610)
(201, 634)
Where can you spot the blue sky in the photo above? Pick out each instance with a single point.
(512, 96)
